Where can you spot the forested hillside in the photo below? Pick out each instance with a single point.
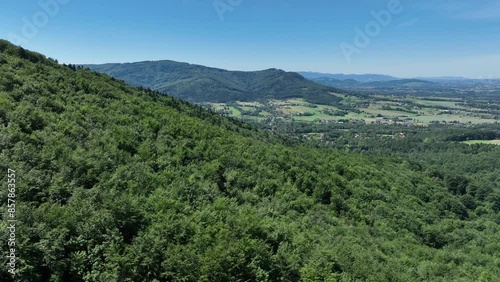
(116, 183)
(203, 84)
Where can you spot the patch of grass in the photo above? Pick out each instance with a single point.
(388, 113)
(448, 104)
(291, 110)
(491, 142)
(246, 108)
(452, 118)
(235, 112)
(378, 105)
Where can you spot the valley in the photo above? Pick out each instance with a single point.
(275, 95)
(377, 109)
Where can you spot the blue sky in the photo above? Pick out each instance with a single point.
(421, 38)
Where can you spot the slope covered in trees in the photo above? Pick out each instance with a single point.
(203, 84)
(120, 184)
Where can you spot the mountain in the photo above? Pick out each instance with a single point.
(336, 82)
(444, 87)
(377, 86)
(400, 83)
(444, 78)
(116, 183)
(370, 78)
(464, 82)
(357, 77)
(197, 83)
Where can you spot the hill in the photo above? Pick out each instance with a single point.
(400, 83)
(465, 89)
(115, 183)
(197, 83)
(347, 83)
(390, 84)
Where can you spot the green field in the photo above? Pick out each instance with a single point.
(454, 118)
(491, 142)
(235, 112)
(383, 109)
(452, 103)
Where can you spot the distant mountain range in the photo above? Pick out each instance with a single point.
(460, 80)
(350, 83)
(442, 86)
(367, 78)
(356, 77)
(197, 83)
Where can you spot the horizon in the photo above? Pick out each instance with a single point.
(304, 71)
(388, 37)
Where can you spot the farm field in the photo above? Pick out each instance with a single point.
(366, 109)
(491, 142)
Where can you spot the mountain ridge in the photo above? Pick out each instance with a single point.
(366, 78)
(198, 83)
(341, 76)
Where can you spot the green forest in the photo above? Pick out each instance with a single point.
(118, 183)
(197, 83)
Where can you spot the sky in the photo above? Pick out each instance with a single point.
(404, 38)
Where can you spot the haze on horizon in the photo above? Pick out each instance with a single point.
(403, 38)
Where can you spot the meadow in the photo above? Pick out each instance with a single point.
(368, 109)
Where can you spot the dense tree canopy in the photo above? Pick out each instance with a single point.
(123, 184)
